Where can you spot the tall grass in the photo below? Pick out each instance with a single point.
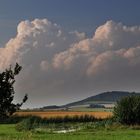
(32, 122)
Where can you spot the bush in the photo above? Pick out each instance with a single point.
(28, 123)
(32, 122)
(13, 119)
(127, 110)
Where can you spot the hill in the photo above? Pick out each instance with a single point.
(104, 98)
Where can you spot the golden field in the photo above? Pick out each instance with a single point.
(49, 114)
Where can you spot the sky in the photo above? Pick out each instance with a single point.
(70, 49)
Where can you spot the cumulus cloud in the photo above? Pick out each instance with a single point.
(58, 64)
(111, 43)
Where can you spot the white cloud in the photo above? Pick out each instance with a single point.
(112, 42)
(60, 64)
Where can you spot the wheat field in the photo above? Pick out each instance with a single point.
(50, 114)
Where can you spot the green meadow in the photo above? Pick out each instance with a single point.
(8, 132)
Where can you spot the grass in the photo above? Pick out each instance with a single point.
(98, 130)
(8, 132)
(85, 109)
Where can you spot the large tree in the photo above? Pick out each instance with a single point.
(7, 80)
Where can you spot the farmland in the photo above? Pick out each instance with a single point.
(100, 130)
(49, 114)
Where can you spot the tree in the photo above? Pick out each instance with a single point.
(7, 80)
(127, 110)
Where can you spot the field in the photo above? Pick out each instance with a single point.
(82, 131)
(49, 114)
(85, 109)
(8, 132)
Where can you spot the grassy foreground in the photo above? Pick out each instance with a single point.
(8, 132)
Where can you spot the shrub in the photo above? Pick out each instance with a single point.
(34, 122)
(13, 119)
(127, 110)
(28, 123)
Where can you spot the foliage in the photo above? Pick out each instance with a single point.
(32, 122)
(14, 119)
(96, 106)
(127, 110)
(28, 123)
(7, 80)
